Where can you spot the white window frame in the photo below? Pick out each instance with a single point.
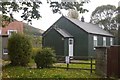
(0, 32)
(104, 41)
(95, 41)
(4, 52)
(111, 41)
(9, 31)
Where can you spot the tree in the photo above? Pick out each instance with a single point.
(104, 16)
(19, 49)
(119, 30)
(30, 8)
(118, 20)
(73, 14)
(36, 41)
(56, 7)
(75, 8)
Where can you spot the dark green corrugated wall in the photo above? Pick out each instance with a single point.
(54, 40)
(66, 47)
(90, 45)
(80, 37)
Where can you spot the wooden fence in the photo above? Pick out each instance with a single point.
(113, 61)
(76, 60)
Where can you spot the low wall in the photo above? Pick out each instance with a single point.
(101, 61)
(108, 61)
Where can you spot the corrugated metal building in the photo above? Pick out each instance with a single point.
(75, 38)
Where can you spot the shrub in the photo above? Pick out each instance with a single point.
(19, 49)
(34, 52)
(45, 58)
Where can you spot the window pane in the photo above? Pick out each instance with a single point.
(5, 51)
(111, 41)
(104, 41)
(70, 41)
(95, 41)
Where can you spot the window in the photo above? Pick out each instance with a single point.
(10, 32)
(95, 41)
(111, 41)
(5, 51)
(0, 32)
(70, 41)
(104, 41)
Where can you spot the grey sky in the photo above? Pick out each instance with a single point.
(48, 18)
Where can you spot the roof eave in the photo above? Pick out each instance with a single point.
(102, 34)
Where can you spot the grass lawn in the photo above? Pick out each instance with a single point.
(77, 65)
(24, 72)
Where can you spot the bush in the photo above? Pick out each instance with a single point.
(45, 58)
(19, 49)
(34, 52)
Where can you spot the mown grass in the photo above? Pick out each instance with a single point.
(18, 72)
(25, 72)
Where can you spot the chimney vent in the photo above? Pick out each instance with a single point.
(82, 19)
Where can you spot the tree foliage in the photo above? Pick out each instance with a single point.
(30, 8)
(19, 49)
(104, 16)
(73, 14)
(118, 20)
(56, 7)
(119, 31)
(36, 41)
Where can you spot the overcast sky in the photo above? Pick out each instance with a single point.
(48, 18)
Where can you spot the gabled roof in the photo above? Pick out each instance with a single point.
(89, 27)
(63, 32)
(16, 25)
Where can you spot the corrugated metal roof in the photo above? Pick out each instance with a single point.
(63, 32)
(89, 27)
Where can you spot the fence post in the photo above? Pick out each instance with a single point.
(67, 61)
(67, 66)
(91, 65)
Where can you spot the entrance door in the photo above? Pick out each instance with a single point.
(71, 42)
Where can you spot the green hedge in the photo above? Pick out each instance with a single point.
(45, 58)
(19, 49)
